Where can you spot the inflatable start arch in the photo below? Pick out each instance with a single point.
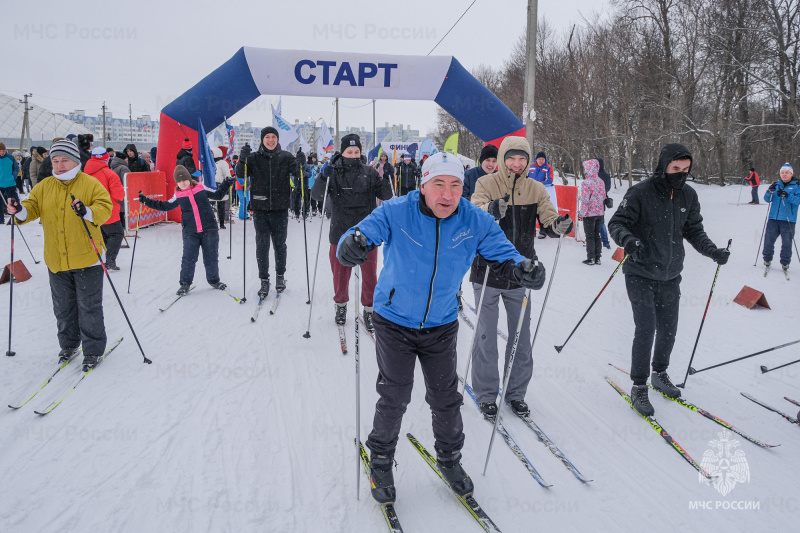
(252, 72)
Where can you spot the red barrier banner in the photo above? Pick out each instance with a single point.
(153, 185)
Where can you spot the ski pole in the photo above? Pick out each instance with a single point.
(103, 265)
(547, 294)
(559, 348)
(358, 377)
(764, 369)
(244, 237)
(693, 371)
(786, 213)
(305, 241)
(703, 321)
(475, 329)
(739, 199)
(135, 239)
(763, 230)
(10, 352)
(522, 309)
(5, 201)
(307, 334)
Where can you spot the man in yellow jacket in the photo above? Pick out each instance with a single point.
(76, 277)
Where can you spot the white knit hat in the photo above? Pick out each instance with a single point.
(442, 164)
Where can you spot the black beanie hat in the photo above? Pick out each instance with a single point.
(41, 150)
(488, 152)
(541, 154)
(269, 129)
(350, 140)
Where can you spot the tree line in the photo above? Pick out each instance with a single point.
(720, 76)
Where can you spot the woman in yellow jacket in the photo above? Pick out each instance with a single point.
(76, 277)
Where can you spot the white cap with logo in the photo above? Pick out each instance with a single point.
(442, 164)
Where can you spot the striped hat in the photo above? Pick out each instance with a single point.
(98, 152)
(65, 148)
(187, 144)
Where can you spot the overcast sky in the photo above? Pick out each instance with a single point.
(78, 54)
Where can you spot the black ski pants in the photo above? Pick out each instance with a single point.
(112, 237)
(270, 225)
(594, 243)
(78, 306)
(397, 349)
(655, 314)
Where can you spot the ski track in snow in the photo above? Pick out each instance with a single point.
(240, 426)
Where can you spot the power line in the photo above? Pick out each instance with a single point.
(453, 26)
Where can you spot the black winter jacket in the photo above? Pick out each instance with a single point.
(352, 188)
(407, 178)
(137, 164)
(185, 158)
(660, 217)
(270, 182)
(208, 218)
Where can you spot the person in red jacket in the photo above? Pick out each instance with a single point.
(112, 230)
(754, 183)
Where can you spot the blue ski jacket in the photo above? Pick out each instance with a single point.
(781, 210)
(425, 258)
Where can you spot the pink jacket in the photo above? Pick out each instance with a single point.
(593, 191)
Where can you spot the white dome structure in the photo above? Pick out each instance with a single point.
(44, 125)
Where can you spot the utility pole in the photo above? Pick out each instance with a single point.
(374, 129)
(105, 139)
(336, 145)
(26, 128)
(529, 115)
(130, 122)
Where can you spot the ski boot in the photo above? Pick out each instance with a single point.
(489, 410)
(661, 382)
(641, 402)
(264, 290)
(183, 290)
(341, 314)
(67, 353)
(368, 319)
(520, 408)
(785, 268)
(89, 362)
(382, 479)
(597, 261)
(219, 286)
(280, 283)
(588, 262)
(111, 265)
(450, 467)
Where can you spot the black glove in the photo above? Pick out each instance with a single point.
(783, 194)
(609, 202)
(141, 197)
(773, 186)
(497, 208)
(530, 274)
(563, 225)
(13, 204)
(353, 250)
(79, 208)
(633, 246)
(720, 255)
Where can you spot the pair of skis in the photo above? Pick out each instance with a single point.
(789, 418)
(260, 304)
(469, 323)
(469, 502)
(55, 403)
(174, 300)
(785, 272)
(343, 335)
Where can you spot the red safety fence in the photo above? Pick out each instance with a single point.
(567, 196)
(153, 185)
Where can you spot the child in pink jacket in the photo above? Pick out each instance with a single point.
(593, 193)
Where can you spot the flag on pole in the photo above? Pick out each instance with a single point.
(394, 164)
(325, 137)
(451, 144)
(231, 135)
(287, 132)
(206, 158)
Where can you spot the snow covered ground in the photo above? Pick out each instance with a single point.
(240, 426)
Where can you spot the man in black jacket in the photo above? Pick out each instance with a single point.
(651, 223)
(352, 188)
(185, 157)
(270, 170)
(407, 176)
(136, 163)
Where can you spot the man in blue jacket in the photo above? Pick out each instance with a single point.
(430, 238)
(783, 197)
